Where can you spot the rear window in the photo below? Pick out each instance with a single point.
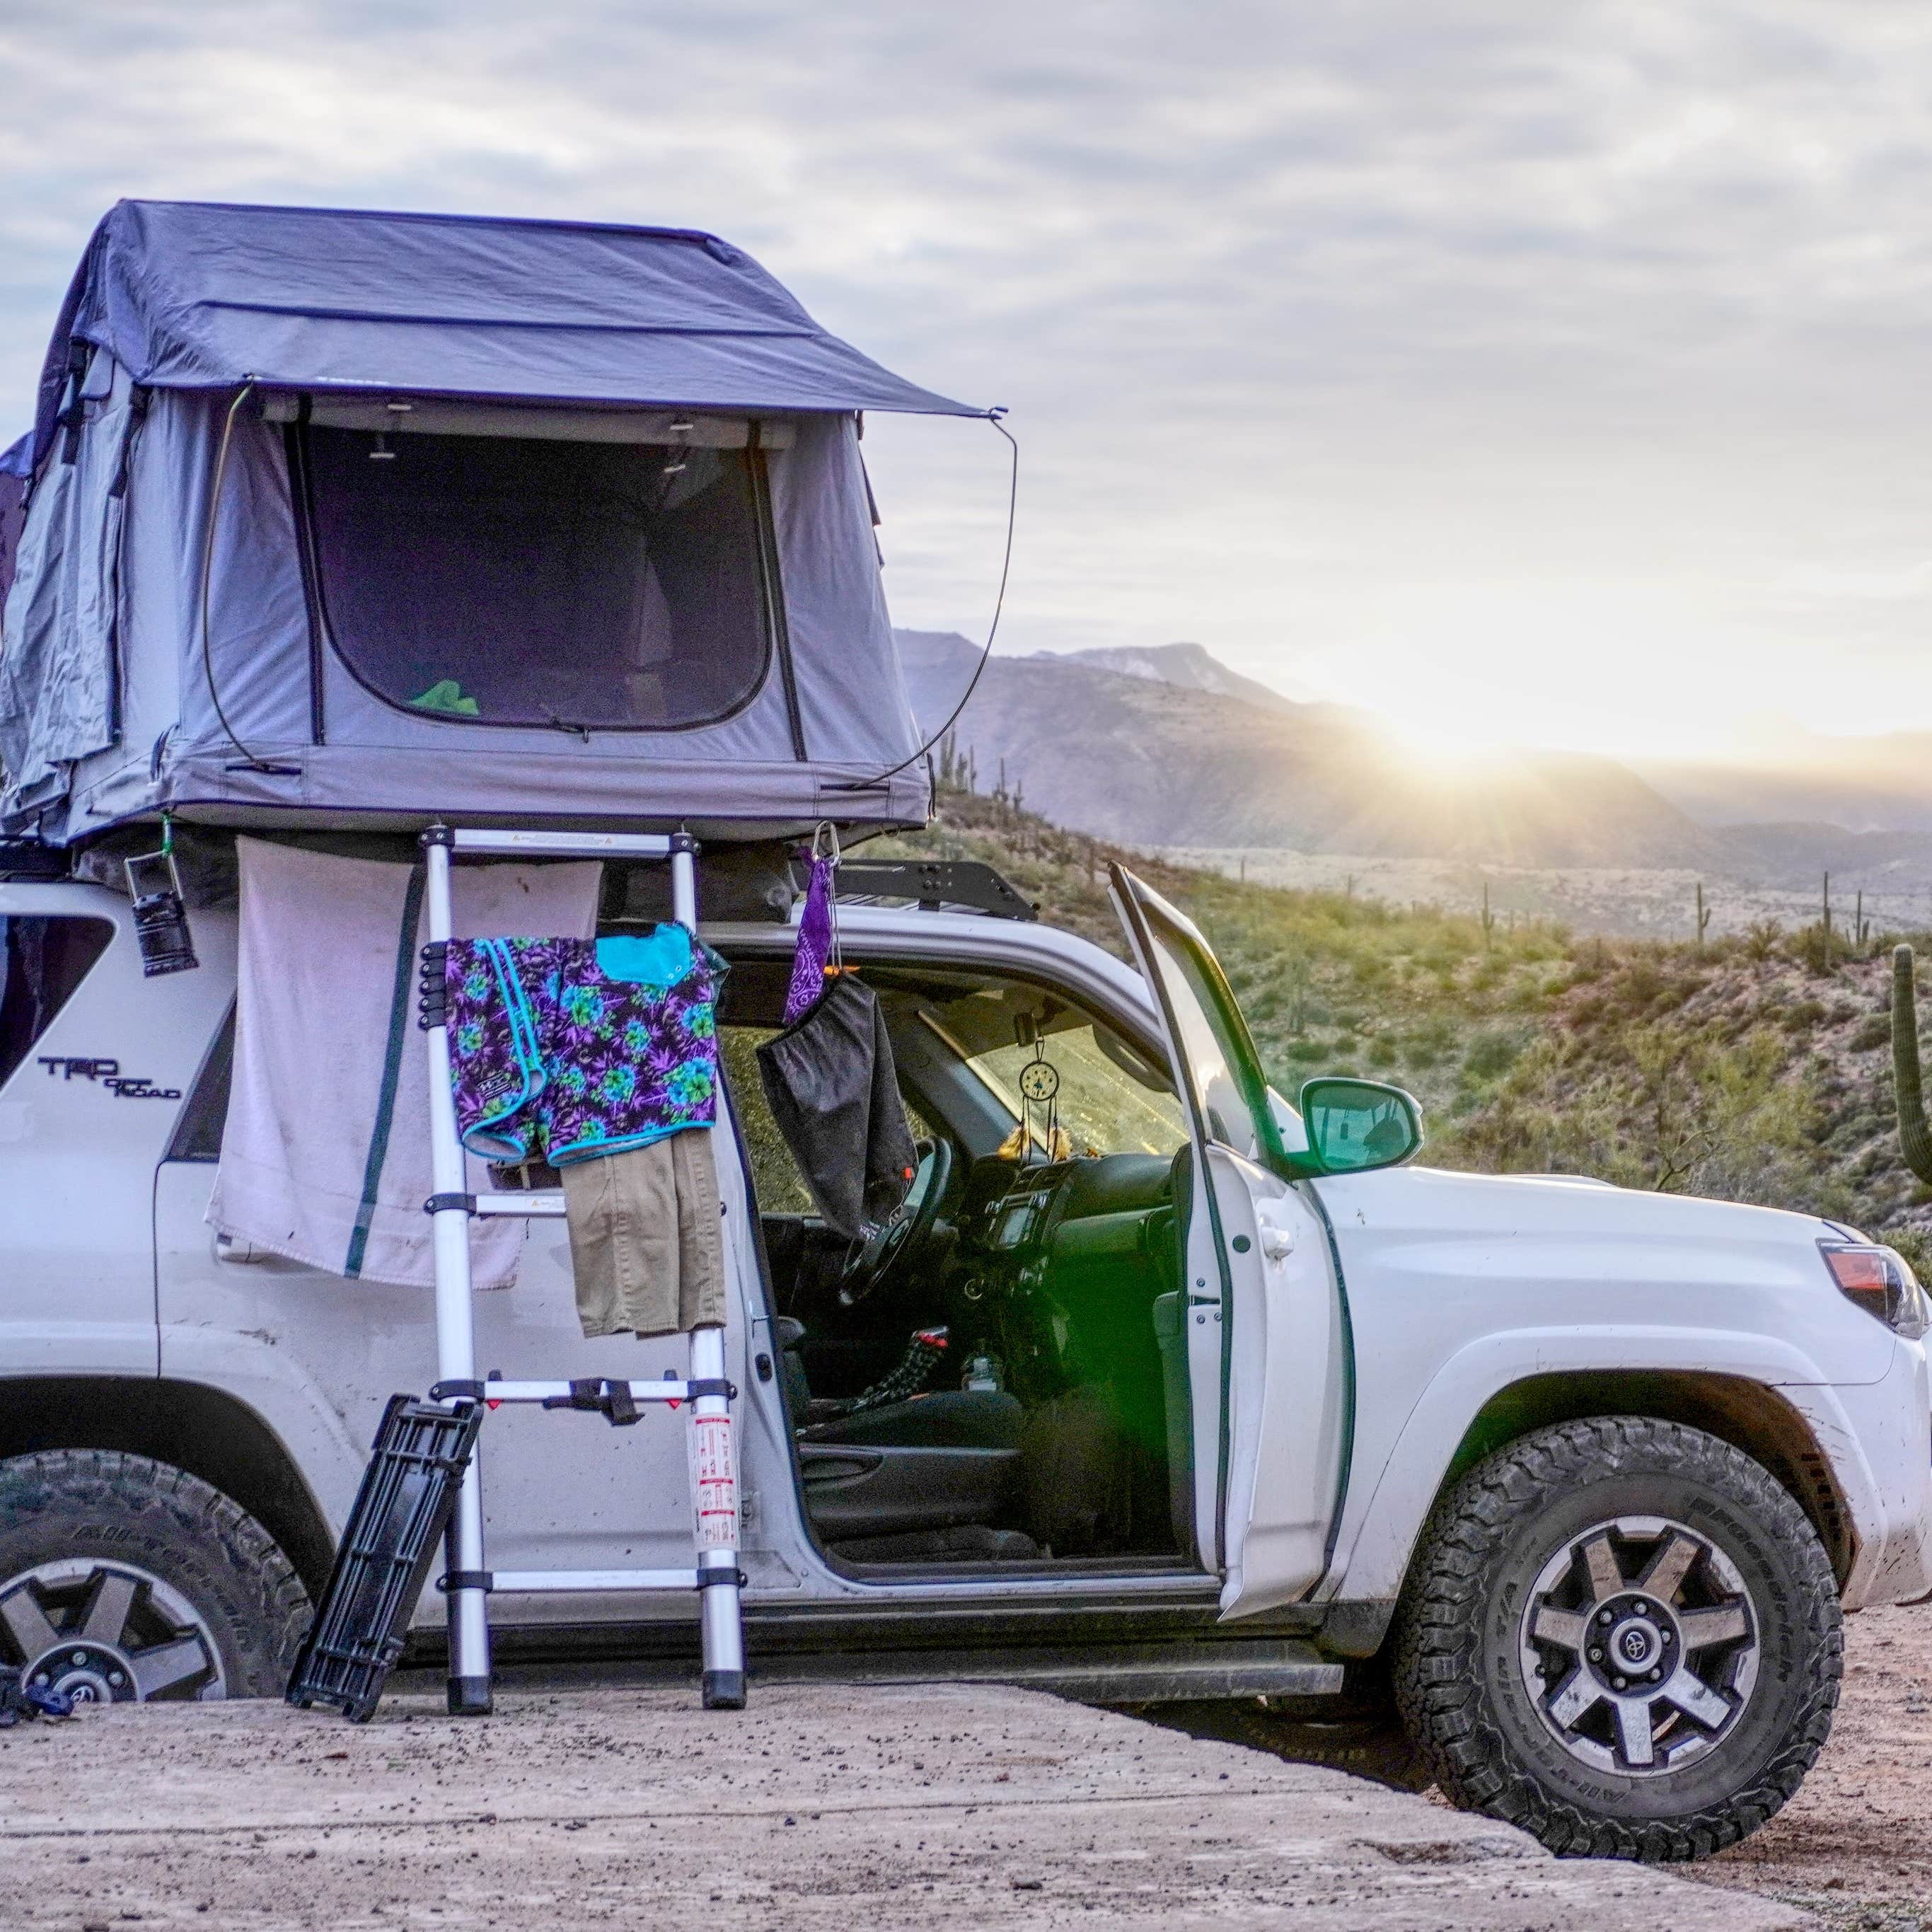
(518, 580)
(43, 958)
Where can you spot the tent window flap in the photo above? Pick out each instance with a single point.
(513, 580)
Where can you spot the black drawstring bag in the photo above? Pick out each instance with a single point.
(834, 1095)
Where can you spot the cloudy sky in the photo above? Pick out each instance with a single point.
(1550, 372)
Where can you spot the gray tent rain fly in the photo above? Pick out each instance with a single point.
(340, 519)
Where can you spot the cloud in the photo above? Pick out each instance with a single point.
(1314, 320)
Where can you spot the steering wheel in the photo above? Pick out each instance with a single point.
(903, 1232)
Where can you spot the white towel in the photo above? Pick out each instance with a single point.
(313, 1165)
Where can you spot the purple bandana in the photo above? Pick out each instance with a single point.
(814, 944)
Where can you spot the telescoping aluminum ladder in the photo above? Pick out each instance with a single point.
(715, 1576)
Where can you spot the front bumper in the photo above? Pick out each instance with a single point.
(1878, 1438)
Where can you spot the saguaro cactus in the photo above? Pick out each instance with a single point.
(1915, 1136)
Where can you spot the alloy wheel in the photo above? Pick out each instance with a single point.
(107, 1633)
(1639, 1646)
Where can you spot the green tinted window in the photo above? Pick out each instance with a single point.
(1110, 1100)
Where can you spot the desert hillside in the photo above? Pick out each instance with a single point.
(1757, 1068)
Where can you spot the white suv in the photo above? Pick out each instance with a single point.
(1234, 1403)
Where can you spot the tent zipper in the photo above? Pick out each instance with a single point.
(138, 399)
(770, 583)
(302, 510)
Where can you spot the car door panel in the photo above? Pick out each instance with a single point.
(1267, 1325)
(1286, 1393)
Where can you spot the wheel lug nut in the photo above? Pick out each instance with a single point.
(1596, 1656)
(1656, 1676)
(114, 1677)
(1602, 1616)
(1666, 1637)
(80, 1657)
(1619, 1683)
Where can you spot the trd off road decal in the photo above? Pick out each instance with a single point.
(107, 1072)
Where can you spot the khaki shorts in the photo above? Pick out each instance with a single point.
(646, 1244)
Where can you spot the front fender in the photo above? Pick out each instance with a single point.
(1385, 1512)
(251, 1370)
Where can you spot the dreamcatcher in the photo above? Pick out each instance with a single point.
(1039, 1114)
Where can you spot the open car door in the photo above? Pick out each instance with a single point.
(1270, 1369)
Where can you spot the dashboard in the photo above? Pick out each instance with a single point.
(1054, 1261)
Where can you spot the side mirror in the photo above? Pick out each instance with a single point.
(1356, 1124)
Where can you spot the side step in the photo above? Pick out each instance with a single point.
(1187, 1671)
(1122, 1674)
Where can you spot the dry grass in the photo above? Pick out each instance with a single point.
(1754, 1068)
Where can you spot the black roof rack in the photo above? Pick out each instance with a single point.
(936, 884)
(28, 858)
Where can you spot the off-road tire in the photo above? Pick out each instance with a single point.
(1462, 1693)
(102, 1505)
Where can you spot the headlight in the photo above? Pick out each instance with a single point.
(1879, 1281)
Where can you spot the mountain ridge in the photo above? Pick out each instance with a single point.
(1135, 758)
(1105, 741)
(1189, 666)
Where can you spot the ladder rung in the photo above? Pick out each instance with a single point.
(537, 1581)
(666, 1391)
(532, 1203)
(589, 844)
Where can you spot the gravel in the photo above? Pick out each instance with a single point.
(1855, 1845)
(818, 1808)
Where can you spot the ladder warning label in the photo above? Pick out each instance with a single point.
(714, 1482)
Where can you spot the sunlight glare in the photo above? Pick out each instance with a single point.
(1582, 668)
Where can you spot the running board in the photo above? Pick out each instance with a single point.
(1128, 1673)
(1131, 1674)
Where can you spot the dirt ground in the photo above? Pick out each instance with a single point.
(1855, 1845)
(820, 1809)
(604, 1801)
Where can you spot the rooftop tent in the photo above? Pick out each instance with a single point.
(341, 519)
(16, 467)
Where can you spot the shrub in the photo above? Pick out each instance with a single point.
(1675, 1112)
(1916, 1245)
(1491, 1054)
(1817, 950)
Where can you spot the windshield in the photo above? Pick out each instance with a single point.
(1109, 1100)
(1223, 1075)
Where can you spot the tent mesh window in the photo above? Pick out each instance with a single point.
(512, 580)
